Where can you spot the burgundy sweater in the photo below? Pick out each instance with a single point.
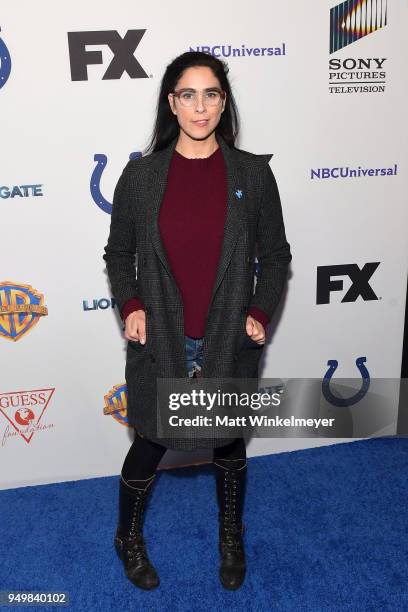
(191, 224)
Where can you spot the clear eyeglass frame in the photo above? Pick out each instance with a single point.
(189, 98)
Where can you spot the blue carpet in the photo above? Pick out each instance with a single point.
(326, 529)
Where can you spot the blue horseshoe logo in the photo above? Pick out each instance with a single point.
(5, 65)
(340, 401)
(98, 198)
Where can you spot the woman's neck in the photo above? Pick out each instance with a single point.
(190, 148)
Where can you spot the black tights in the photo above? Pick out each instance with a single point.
(144, 456)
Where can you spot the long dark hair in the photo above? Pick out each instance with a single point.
(166, 126)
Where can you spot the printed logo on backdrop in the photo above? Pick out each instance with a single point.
(123, 50)
(98, 304)
(116, 404)
(95, 183)
(360, 285)
(351, 21)
(348, 172)
(5, 62)
(23, 411)
(355, 402)
(342, 402)
(21, 191)
(21, 307)
(227, 50)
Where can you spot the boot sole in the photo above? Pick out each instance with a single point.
(233, 588)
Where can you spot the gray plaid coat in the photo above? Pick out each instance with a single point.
(137, 265)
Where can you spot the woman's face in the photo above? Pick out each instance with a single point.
(200, 119)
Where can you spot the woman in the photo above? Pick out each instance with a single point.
(193, 210)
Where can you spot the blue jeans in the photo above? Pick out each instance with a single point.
(194, 354)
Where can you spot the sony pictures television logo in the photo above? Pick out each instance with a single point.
(351, 21)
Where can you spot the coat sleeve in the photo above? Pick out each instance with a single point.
(120, 251)
(259, 315)
(273, 250)
(131, 306)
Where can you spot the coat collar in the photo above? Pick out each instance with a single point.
(235, 162)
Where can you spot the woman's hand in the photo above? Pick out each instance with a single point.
(135, 326)
(255, 330)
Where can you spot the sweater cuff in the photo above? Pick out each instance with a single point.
(130, 306)
(259, 315)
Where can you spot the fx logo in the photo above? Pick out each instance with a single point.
(122, 48)
(359, 282)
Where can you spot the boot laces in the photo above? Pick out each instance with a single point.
(136, 549)
(231, 527)
(135, 545)
(231, 538)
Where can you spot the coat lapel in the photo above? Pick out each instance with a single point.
(235, 204)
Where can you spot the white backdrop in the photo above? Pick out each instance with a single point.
(53, 126)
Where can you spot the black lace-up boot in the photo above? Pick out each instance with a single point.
(129, 542)
(231, 479)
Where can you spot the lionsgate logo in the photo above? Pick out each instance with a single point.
(350, 21)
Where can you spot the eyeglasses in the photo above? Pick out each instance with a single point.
(189, 97)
